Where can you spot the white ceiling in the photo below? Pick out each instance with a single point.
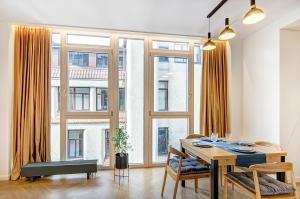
(185, 17)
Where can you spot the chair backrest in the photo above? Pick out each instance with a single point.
(174, 151)
(266, 143)
(194, 136)
(273, 167)
(181, 155)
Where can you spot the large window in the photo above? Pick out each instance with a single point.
(75, 143)
(146, 88)
(79, 99)
(163, 91)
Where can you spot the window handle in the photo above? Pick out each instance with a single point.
(111, 113)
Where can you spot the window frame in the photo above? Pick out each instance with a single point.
(113, 108)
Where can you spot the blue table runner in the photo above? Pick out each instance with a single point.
(243, 159)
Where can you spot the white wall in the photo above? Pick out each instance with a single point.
(261, 85)
(290, 95)
(5, 101)
(267, 87)
(235, 80)
(261, 78)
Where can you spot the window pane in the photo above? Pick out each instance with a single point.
(55, 39)
(131, 95)
(88, 40)
(170, 85)
(197, 87)
(55, 99)
(87, 139)
(167, 132)
(180, 46)
(88, 72)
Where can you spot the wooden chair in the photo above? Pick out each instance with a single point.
(177, 174)
(264, 168)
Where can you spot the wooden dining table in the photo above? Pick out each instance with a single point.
(218, 157)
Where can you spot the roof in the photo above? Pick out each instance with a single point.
(87, 73)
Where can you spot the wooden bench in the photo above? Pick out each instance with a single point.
(36, 170)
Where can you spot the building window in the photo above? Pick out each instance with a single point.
(79, 59)
(107, 153)
(75, 143)
(55, 62)
(162, 140)
(179, 60)
(101, 99)
(122, 58)
(163, 59)
(163, 91)
(58, 99)
(102, 60)
(79, 98)
(122, 99)
(197, 55)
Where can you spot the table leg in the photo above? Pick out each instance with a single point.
(182, 181)
(229, 168)
(214, 179)
(281, 175)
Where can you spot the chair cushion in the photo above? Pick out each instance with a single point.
(268, 185)
(189, 166)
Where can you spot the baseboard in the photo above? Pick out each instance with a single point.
(4, 177)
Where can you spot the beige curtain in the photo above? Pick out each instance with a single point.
(31, 114)
(214, 113)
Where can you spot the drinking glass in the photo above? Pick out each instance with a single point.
(214, 137)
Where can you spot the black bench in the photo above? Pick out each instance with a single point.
(36, 170)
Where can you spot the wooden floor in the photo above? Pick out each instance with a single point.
(143, 184)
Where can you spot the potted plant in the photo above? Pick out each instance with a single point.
(122, 146)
